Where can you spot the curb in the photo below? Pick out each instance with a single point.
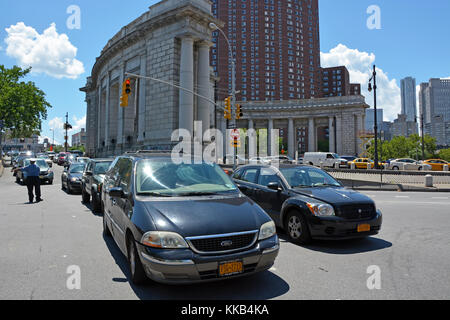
(402, 188)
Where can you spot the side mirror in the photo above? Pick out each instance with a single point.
(274, 186)
(117, 192)
(88, 173)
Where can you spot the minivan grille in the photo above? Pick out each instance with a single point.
(357, 211)
(223, 243)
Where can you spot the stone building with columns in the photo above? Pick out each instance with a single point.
(165, 53)
(342, 118)
(169, 43)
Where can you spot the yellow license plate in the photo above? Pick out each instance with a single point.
(41, 177)
(363, 227)
(231, 268)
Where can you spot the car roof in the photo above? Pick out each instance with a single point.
(102, 160)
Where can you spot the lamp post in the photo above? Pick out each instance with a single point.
(375, 127)
(232, 122)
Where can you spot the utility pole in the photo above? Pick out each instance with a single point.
(423, 134)
(375, 127)
(67, 126)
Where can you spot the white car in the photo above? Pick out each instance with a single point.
(408, 164)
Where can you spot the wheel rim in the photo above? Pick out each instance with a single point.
(295, 227)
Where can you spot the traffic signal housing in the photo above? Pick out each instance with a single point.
(239, 113)
(227, 112)
(126, 92)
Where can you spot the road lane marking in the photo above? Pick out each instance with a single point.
(402, 197)
(441, 198)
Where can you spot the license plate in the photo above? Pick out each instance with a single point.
(230, 268)
(363, 227)
(41, 177)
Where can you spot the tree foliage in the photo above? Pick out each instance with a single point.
(404, 147)
(22, 104)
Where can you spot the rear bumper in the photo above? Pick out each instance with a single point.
(184, 266)
(334, 228)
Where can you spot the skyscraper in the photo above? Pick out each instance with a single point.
(434, 99)
(276, 46)
(408, 95)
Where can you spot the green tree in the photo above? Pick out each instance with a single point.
(444, 154)
(22, 104)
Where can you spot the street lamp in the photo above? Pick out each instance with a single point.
(232, 122)
(375, 127)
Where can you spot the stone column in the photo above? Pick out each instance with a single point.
(331, 133)
(107, 111)
(252, 143)
(141, 102)
(270, 142)
(291, 138)
(99, 117)
(186, 106)
(359, 128)
(119, 108)
(204, 84)
(339, 148)
(311, 136)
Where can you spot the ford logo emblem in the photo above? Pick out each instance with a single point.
(226, 243)
(360, 211)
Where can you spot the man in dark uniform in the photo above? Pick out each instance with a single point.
(32, 172)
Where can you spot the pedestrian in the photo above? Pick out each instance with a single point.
(32, 171)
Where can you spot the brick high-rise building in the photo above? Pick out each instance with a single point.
(336, 83)
(276, 46)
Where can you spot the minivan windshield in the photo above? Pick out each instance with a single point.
(39, 162)
(163, 177)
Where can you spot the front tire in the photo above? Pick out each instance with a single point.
(297, 228)
(106, 231)
(85, 196)
(137, 272)
(96, 205)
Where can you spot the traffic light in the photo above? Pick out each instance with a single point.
(239, 113)
(126, 91)
(227, 112)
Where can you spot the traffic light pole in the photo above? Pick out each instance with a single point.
(66, 137)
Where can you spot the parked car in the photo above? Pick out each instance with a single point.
(308, 203)
(184, 223)
(437, 164)
(16, 162)
(46, 158)
(46, 175)
(408, 164)
(61, 158)
(83, 159)
(328, 159)
(71, 177)
(362, 163)
(92, 182)
(278, 159)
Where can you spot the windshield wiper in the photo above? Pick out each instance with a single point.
(155, 194)
(325, 185)
(302, 186)
(194, 193)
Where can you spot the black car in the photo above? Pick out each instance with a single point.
(184, 223)
(92, 182)
(308, 203)
(71, 177)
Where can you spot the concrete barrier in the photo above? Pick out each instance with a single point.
(428, 181)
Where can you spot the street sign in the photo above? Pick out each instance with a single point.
(235, 133)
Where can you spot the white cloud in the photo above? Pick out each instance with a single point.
(78, 124)
(57, 124)
(50, 140)
(360, 67)
(50, 53)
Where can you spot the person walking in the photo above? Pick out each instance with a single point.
(32, 171)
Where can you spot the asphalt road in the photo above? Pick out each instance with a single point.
(41, 242)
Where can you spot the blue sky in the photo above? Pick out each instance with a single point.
(412, 41)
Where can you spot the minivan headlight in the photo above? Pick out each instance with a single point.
(267, 230)
(321, 209)
(163, 240)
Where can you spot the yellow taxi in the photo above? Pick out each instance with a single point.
(361, 163)
(437, 164)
